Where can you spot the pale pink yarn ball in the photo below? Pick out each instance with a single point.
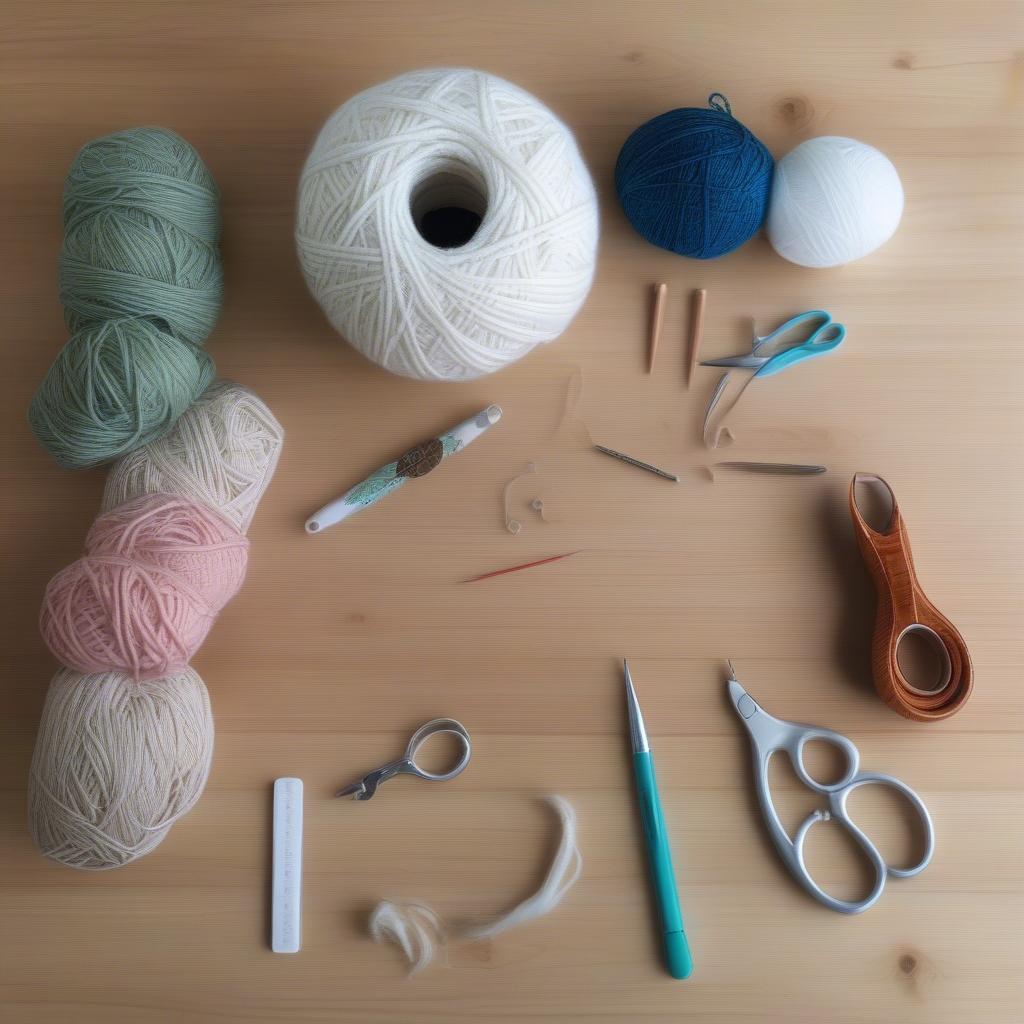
(186, 537)
(157, 571)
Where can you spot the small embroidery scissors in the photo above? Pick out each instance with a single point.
(768, 735)
(824, 338)
(406, 764)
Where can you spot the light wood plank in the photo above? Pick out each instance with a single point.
(340, 644)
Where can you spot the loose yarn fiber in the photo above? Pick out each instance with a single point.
(222, 452)
(141, 284)
(457, 140)
(695, 181)
(418, 930)
(834, 201)
(116, 763)
(142, 599)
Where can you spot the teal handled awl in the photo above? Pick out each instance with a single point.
(677, 949)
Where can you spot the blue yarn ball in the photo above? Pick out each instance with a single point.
(694, 181)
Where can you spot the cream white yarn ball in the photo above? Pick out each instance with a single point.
(116, 764)
(430, 140)
(222, 452)
(833, 201)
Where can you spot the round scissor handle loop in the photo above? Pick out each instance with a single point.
(838, 808)
(870, 850)
(433, 728)
(850, 752)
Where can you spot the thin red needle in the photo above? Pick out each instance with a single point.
(517, 568)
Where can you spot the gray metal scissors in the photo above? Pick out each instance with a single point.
(406, 764)
(767, 735)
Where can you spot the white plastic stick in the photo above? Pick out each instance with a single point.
(286, 911)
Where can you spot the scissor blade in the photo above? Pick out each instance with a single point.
(354, 790)
(745, 705)
(744, 362)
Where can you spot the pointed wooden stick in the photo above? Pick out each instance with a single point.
(657, 313)
(696, 330)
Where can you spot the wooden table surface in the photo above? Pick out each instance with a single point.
(340, 644)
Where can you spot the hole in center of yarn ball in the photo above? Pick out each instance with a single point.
(448, 205)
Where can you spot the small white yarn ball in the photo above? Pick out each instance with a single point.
(430, 140)
(833, 201)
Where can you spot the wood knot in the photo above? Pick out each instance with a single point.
(795, 111)
(357, 618)
(908, 964)
(904, 61)
(633, 57)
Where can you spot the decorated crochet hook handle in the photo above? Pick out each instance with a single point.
(417, 461)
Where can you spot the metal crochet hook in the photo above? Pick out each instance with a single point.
(772, 468)
(406, 764)
(629, 460)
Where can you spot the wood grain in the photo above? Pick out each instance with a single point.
(340, 644)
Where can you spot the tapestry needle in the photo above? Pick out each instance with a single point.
(636, 462)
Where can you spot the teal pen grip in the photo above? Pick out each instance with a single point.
(659, 855)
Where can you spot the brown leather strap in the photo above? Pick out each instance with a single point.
(903, 606)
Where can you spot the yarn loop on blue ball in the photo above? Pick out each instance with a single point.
(695, 181)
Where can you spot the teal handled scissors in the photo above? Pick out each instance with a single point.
(769, 735)
(824, 338)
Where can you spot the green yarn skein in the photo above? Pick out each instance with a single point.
(115, 386)
(141, 283)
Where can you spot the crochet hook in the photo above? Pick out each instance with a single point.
(629, 460)
(777, 468)
(417, 461)
(677, 950)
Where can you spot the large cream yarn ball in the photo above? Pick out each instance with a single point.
(462, 142)
(116, 764)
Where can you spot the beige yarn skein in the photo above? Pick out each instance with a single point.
(222, 452)
(116, 763)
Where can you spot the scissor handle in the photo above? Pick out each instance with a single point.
(804, 734)
(422, 734)
(837, 810)
(827, 336)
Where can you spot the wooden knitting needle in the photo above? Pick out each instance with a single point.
(696, 330)
(656, 315)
